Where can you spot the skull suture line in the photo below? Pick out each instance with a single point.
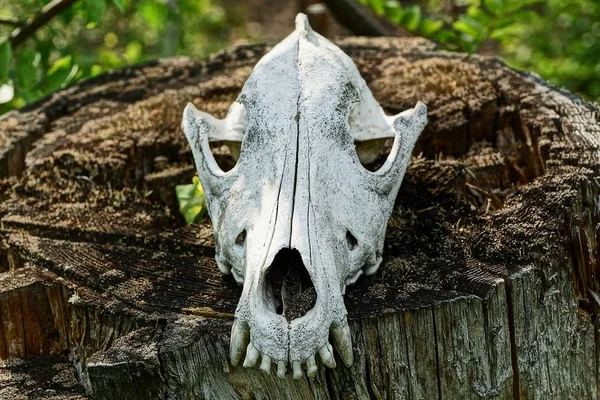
(299, 218)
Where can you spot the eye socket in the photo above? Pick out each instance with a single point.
(241, 238)
(373, 153)
(225, 153)
(351, 240)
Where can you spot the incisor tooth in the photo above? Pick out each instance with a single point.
(326, 354)
(342, 341)
(240, 337)
(311, 366)
(297, 371)
(251, 356)
(281, 367)
(265, 365)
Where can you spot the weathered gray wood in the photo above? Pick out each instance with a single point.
(51, 378)
(489, 287)
(497, 330)
(422, 354)
(463, 365)
(553, 349)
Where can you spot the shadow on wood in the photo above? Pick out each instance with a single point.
(490, 277)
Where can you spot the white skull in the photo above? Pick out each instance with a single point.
(299, 218)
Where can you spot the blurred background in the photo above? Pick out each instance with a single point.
(48, 45)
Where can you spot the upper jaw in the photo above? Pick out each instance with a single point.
(311, 332)
(297, 345)
(266, 336)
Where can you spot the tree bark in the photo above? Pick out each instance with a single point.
(489, 287)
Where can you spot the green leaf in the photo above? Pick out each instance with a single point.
(501, 34)
(185, 192)
(61, 63)
(60, 74)
(495, 6)
(67, 15)
(5, 58)
(446, 36)
(95, 70)
(194, 209)
(94, 11)
(28, 61)
(522, 16)
(28, 95)
(378, 6)
(155, 14)
(477, 15)
(192, 204)
(503, 22)
(109, 58)
(468, 45)
(412, 18)
(469, 26)
(119, 4)
(133, 52)
(393, 10)
(429, 28)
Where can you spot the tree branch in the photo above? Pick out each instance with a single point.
(13, 21)
(360, 20)
(48, 12)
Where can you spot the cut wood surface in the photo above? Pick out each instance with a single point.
(489, 286)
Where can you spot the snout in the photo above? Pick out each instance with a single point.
(287, 316)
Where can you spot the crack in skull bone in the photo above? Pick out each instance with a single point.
(295, 233)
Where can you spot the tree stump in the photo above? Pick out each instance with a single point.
(489, 287)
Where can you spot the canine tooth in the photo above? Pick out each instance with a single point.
(265, 365)
(223, 267)
(251, 356)
(240, 337)
(281, 367)
(326, 354)
(342, 341)
(297, 371)
(371, 269)
(311, 366)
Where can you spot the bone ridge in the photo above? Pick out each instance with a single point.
(299, 184)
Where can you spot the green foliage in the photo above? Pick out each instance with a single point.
(94, 36)
(558, 39)
(480, 21)
(5, 58)
(561, 42)
(192, 204)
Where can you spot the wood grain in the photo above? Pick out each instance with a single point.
(489, 287)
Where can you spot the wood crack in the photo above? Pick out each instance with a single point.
(437, 355)
(513, 339)
(181, 280)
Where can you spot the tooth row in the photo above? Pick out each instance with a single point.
(240, 342)
(253, 355)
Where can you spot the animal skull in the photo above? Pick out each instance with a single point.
(299, 218)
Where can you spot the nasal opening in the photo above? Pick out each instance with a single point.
(289, 290)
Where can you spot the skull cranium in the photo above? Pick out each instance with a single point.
(299, 218)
